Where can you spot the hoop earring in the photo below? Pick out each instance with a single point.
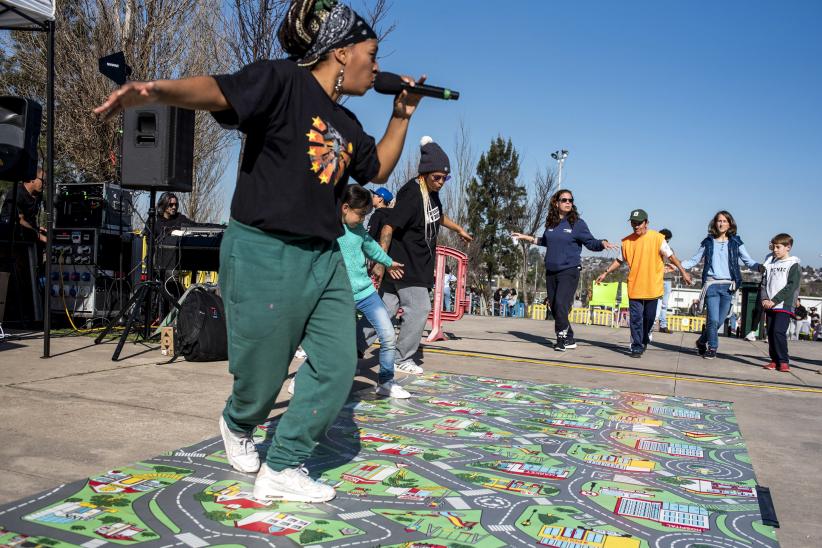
(339, 82)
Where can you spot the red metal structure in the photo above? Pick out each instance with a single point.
(461, 304)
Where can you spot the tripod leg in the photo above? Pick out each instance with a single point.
(135, 312)
(123, 311)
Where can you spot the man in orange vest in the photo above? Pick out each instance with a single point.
(645, 251)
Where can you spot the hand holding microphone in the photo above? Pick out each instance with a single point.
(389, 83)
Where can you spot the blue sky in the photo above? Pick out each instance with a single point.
(678, 108)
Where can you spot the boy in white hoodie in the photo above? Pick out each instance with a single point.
(780, 288)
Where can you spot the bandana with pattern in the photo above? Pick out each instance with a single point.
(342, 27)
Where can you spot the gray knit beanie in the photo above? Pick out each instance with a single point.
(432, 157)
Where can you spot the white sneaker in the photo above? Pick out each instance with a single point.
(392, 390)
(751, 336)
(409, 367)
(291, 484)
(300, 354)
(291, 384)
(239, 449)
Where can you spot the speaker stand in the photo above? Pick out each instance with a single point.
(143, 297)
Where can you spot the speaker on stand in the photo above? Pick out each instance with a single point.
(158, 153)
(20, 121)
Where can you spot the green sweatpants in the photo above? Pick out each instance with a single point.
(281, 291)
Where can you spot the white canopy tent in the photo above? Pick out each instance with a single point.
(25, 14)
(38, 16)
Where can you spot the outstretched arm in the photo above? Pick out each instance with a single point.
(449, 224)
(685, 276)
(611, 267)
(196, 93)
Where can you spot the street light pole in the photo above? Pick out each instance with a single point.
(559, 156)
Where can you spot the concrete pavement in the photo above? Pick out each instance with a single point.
(79, 413)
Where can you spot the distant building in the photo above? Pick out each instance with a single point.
(119, 482)
(572, 537)
(234, 497)
(453, 424)
(670, 514)
(674, 412)
(617, 462)
(673, 449)
(528, 469)
(119, 531)
(68, 512)
(272, 523)
(399, 449)
(718, 489)
(369, 474)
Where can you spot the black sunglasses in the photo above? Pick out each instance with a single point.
(566, 200)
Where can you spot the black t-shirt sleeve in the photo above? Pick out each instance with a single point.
(252, 92)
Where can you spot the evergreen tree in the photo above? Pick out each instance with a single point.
(496, 206)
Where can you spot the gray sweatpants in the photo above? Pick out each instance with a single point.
(415, 305)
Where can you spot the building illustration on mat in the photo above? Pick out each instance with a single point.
(466, 463)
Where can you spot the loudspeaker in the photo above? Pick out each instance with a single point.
(158, 148)
(19, 130)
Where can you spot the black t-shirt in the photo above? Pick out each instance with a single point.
(301, 148)
(378, 220)
(163, 226)
(413, 245)
(27, 205)
(801, 312)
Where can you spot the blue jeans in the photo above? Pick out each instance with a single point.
(446, 301)
(375, 312)
(718, 301)
(643, 313)
(663, 305)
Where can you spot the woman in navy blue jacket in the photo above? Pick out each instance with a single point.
(565, 234)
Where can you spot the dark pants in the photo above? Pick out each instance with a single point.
(562, 286)
(778, 336)
(643, 314)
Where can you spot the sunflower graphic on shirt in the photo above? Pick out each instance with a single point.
(330, 153)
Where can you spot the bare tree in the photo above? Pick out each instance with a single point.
(455, 200)
(160, 39)
(536, 211)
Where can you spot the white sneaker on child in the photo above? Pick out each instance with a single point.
(239, 449)
(409, 367)
(751, 336)
(292, 484)
(392, 390)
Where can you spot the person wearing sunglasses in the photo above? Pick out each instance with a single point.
(410, 237)
(565, 234)
(168, 215)
(645, 251)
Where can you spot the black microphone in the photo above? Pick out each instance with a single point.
(392, 84)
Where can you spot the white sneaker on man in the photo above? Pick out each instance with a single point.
(392, 390)
(292, 484)
(751, 336)
(239, 449)
(409, 367)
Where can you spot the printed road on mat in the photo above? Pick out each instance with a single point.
(467, 462)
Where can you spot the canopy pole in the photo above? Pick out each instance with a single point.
(50, 28)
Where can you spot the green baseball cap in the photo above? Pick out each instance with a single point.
(638, 215)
